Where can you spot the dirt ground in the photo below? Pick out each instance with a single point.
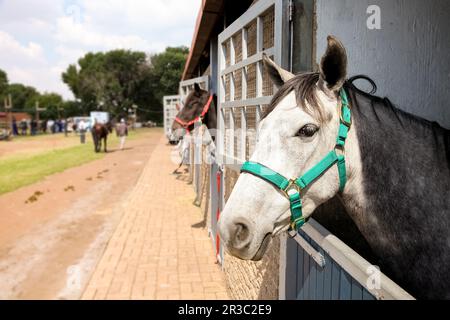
(33, 145)
(49, 248)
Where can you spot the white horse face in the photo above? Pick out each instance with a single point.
(292, 139)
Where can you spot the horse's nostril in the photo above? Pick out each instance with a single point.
(241, 234)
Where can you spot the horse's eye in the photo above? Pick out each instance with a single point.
(308, 131)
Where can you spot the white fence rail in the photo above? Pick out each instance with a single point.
(244, 87)
(170, 104)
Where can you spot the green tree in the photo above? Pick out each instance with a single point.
(107, 81)
(3, 82)
(51, 102)
(71, 78)
(115, 81)
(164, 78)
(73, 109)
(167, 68)
(23, 97)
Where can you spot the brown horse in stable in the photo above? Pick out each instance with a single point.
(100, 132)
(199, 107)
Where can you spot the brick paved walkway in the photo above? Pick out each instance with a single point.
(155, 253)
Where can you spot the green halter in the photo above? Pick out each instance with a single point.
(292, 188)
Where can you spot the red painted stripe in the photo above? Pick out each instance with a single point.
(219, 176)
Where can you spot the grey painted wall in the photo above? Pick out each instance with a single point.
(408, 58)
(214, 59)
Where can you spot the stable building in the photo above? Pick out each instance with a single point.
(401, 45)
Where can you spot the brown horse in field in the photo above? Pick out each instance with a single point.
(100, 132)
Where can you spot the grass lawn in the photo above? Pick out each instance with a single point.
(20, 171)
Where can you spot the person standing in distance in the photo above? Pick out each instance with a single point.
(82, 127)
(122, 132)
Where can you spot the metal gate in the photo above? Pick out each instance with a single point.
(170, 104)
(244, 88)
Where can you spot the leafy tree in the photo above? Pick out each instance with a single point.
(23, 97)
(166, 71)
(51, 102)
(70, 77)
(3, 82)
(107, 81)
(73, 109)
(115, 81)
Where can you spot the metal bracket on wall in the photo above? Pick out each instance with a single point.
(317, 256)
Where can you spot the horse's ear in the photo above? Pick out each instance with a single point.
(197, 88)
(278, 75)
(333, 66)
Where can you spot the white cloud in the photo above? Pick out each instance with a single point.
(82, 35)
(135, 24)
(23, 10)
(11, 50)
(68, 55)
(38, 40)
(28, 65)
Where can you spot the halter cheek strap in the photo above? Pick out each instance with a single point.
(292, 188)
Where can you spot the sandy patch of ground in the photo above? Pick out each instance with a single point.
(49, 247)
(33, 145)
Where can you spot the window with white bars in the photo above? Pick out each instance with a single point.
(244, 86)
(170, 111)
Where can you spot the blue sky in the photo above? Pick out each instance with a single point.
(39, 39)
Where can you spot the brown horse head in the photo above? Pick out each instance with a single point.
(193, 108)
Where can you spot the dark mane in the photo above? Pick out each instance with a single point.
(383, 113)
(304, 85)
(403, 117)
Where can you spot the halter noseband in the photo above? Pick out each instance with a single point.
(292, 188)
(200, 118)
